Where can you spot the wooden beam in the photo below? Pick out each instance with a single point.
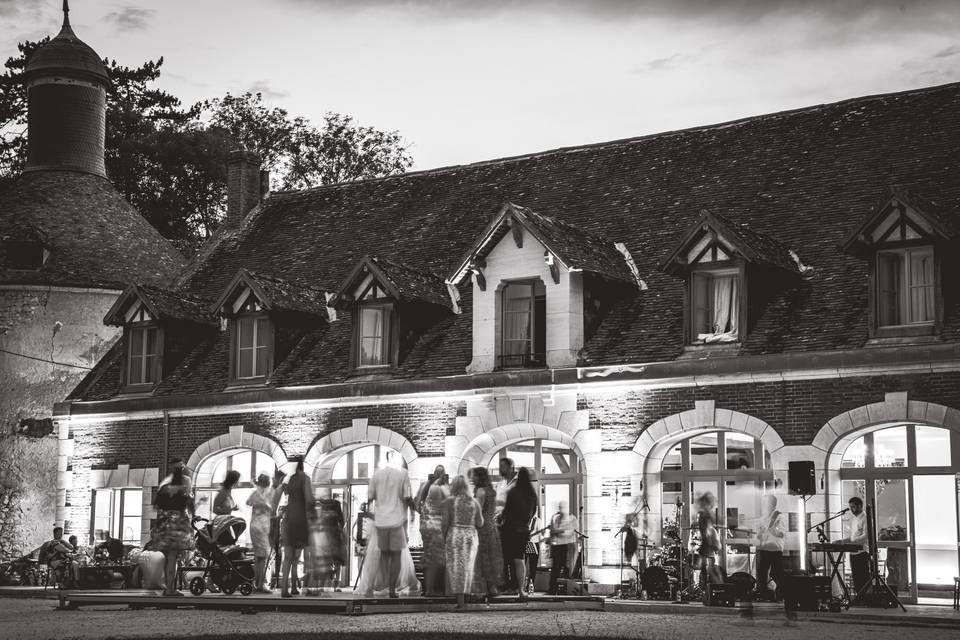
(478, 276)
(555, 272)
(517, 233)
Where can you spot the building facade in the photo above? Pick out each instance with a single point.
(69, 243)
(641, 322)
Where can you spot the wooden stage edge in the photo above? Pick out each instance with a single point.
(340, 603)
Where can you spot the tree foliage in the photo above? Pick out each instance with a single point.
(169, 161)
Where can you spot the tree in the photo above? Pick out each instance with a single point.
(170, 162)
(302, 155)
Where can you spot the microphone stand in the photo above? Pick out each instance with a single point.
(819, 525)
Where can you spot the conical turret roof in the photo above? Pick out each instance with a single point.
(67, 55)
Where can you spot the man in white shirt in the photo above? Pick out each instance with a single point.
(857, 534)
(563, 544)
(389, 488)
(508, 478)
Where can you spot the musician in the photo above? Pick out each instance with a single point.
(563, 544)
(770, 538)
(709, 537)
(856, 528)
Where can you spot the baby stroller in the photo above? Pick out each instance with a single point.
(226, 565)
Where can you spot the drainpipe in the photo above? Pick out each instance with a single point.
(165, 462)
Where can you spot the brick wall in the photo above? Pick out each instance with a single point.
(796, 409)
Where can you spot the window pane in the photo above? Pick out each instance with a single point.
(265, 464)
(673, 460)
(522, 455)
(136, 341)
(517, 299)
(371, 335)
(115, 517)
(101, 514)
(700, 304)
(219, 472)
(262, 354)
(703, 452)
(149, 368)
(724, 304)
(921, 286)
(132, 502)
(241, 463)
(245, 332)
(890, 447)
(245, 363)
(933, 446)
(364, 462)
(135, 375)
(855, 456)
(935, 510)
(151, 341)
(555, 458)
(263, 332)
(888, 288)
(892, 510)
(740, 453)
(340, 469)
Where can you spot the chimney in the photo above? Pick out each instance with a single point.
(246, 185)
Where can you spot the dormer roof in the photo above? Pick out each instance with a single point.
(162, 304)
(401, 282)
(273, 294)
(901, 216)
(713, 237)
(574, 248)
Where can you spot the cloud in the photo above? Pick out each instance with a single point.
(264, 87)
(11, 8)
(661, 64)
(938, 67)
(130, 18)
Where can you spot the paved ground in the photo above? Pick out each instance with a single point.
(37, 618)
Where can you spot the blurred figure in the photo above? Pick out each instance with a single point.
(223, 503)
(173, 533)
(489, 568)
(294, 530)
(508, 478)
(770, 537)
(518, 512)
(389, 489)
(856, 528)
(563, 545)
(709, 537)
(461, 518)
(263, 503)
(434, 493)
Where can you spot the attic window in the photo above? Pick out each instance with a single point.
(23, 255)
(144, 342)
(905, 287)
(715, 305)
(375, 319)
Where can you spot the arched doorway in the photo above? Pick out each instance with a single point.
(735, 468)
(559, 473)
(908, 472)
(344, 476)
(249, 463)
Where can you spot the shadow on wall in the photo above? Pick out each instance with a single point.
(28, 491)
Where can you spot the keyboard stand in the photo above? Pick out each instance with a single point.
(836, 560)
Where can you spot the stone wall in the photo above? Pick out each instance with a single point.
(28, 490)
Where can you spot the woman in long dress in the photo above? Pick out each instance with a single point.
(431, 531)
(263, 504)
(294, 531)
(489, 569)
(373, 574)
(173, 533)
(461, 518)
(518, 512)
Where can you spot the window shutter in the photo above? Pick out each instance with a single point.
(264, 346)
(135, 344)
(700, 304)
(245, 347)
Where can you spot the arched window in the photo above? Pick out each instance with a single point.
(211, 472)
(348, 483)
(907, 473)
(735, 468)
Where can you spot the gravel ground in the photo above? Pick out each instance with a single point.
(34, 618)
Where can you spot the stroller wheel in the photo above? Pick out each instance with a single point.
(246, 589)
(228, 589)
(197, 586)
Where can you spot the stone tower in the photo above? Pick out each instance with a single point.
(67, 90)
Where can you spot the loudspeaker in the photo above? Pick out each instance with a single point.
(719, 595)
(801, 478)
(805, 593)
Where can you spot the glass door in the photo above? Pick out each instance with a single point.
(935, 508)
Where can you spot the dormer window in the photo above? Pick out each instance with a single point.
(252, 342)
(903, 240)
(524, 325)
(23, 255)
(905, 287)
(715, 257)
(144, 348)
(374, 326)
(715, 305)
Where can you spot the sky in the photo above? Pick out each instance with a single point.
(471, 80)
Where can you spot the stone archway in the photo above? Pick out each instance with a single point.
(236, 438)
(324, 453)
(483, 447)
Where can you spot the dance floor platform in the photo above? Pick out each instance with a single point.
(341, 603)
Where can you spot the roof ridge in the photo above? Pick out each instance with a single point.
(620, 141)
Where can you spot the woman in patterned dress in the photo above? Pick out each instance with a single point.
(489, 569)
(431, 504)
(461, 519)
(263, 502)
(173, 533)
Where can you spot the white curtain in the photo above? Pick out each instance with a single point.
(724, 310)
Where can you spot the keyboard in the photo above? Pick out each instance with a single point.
(836, 548)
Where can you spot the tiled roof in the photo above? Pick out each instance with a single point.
(405, 283)
(163, 303)
(95, 238)
(275, 293)
(802, 178)
(575, 247)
